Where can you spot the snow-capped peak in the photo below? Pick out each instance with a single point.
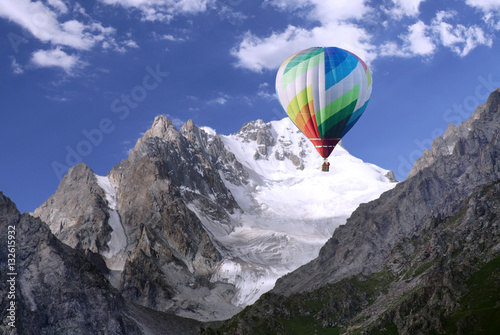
(291, 207)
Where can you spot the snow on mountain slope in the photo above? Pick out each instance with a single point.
(115, 258)
(291, 207)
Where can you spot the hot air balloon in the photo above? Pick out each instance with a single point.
(324, 91)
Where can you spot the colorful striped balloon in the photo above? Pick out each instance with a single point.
(324, 91)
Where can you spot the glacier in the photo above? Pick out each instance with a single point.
(290, 210)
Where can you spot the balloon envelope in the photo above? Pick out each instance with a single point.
(324, 91)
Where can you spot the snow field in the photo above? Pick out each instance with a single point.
(289, 213)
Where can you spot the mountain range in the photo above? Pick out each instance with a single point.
(199, 225)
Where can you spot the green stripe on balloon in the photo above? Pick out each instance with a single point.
(299, 68)
(337, 105)
(354, 118)
(302, 56)
(334, 125)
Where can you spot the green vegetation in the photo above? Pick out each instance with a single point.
(424, 267)
(388, 329)
(308, 312)
(301, 325)
(480, 311)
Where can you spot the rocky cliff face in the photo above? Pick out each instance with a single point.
(58, 291)
(164, 257)
(77, 212)
(412, 261)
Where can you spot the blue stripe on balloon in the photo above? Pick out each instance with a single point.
(354, 118)
(338, 64)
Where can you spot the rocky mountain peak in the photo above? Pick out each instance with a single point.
(163, 128)
(453, 138)
(194, 135)
(77, 213)
(259, 132)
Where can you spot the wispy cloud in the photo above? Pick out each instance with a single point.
(43, 23)
(222, 100)
(16, 68)
(178, 122)
(265, 92)
(62, 26)
(424, 40)
(485, 5)
(55, 58)
(165, 11)
(168, 37)
(401, 8)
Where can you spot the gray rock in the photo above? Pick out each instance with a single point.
(169, 256)
(172, 256)
(58, 291)
(77, 213)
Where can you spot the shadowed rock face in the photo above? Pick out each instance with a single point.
(438, 186)
(167, 257)
(58, 289)
(172, 256)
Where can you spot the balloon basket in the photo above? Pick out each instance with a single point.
(325, 167)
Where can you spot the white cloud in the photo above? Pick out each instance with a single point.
(423, 40)
(230, 14)
(392, 49)
(163, 10)
(43, 24)
(54, 23)
(491, 9)
(265, 93)
(16, 68)
(417, 42)
(288, 5)
(257, 54)
(335, 29)
(59, 5)
(346, 24)
(403, 8)
(55, 58)
(131, 44)
(167, 37)
(485, 5)
(324, 11)
(218, 101)
(459, 38)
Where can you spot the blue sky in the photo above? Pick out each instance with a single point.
(81, 81)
